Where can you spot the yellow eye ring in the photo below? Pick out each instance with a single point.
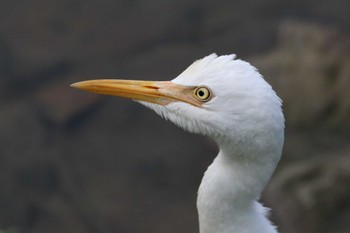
(202, 93)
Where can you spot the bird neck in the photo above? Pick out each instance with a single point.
(228, 194)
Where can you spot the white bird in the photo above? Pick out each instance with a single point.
(228, 100)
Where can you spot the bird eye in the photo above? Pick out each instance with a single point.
(202, 93)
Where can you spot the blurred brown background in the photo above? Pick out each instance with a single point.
(78, 162)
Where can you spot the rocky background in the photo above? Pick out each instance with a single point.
(74, 162)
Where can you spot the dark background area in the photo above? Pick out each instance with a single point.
(78, 162)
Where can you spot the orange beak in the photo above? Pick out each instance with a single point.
(158, 92)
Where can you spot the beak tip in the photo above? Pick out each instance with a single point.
(76, 85)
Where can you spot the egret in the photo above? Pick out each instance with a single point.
(228, 100)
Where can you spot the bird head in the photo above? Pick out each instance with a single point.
(218, 96)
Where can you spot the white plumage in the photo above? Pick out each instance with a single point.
(242, 114)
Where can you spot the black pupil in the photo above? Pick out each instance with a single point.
(201, 93)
